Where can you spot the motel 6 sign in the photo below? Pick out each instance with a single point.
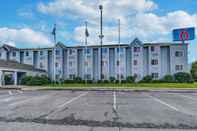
(184, 34)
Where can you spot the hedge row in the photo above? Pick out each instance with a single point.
(180, 77)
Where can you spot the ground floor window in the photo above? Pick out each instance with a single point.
(155, 75)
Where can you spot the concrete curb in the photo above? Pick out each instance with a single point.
(125, 90)
(10, 88)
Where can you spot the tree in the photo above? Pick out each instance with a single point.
(130, 79)
(168, 78)
(194, 70)
(183, 77)
(147, 79)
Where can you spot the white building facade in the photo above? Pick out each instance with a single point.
(119, 61)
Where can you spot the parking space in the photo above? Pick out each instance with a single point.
(91, 110)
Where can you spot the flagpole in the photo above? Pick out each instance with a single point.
(86, 43)
(119, 50)
(54, 38)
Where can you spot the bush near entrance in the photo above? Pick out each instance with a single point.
(35, 80)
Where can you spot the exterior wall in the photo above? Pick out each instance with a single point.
(43, 59)
(105, 63)
(177, 61)
(67, 63)
(137, 62)
(87, 63)
(154, 61)
(3, 54)
(15, 56)
(165, 61)
(112, 62)
(120, 63)
(28, 57)
(72, 63)
(58, 53)
(96, 64)
(146, 61)
(128, 62)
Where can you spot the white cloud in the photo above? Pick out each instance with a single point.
(26, 13)
(25, 36)
(137, 19)
(89, 8)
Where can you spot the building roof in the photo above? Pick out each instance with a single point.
(9, 48)
(15, 65)
(135, 42)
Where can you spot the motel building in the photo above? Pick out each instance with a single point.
(63, 62)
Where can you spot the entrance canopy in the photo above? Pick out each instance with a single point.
(17, 69)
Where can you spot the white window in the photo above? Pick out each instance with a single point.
(155, 75)
(179, 53)
(152, 48)
(56, 64)
(41, 65)
(135, 62)
(57, 52)
(179, 67)
(14, 54)
(41, 53)
(27, 53)
(154, 62)
(136, 49)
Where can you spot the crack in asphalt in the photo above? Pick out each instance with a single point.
(70, 120)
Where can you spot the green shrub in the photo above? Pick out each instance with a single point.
(68, 81)
(106, 81)
(147, 79)
(183, 77)
(99, 81)
(123, 81)
(117, 81)
(156, 81)
(168, 79)
(77, 80)
(194, 70)
(112, 79)
(35, 80)
(130, 79)
(8, 79)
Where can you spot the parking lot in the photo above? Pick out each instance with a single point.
(96, 110)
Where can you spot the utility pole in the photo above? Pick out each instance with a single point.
(101, 37)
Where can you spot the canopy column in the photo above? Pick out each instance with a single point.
(15, 78)
(1, 78)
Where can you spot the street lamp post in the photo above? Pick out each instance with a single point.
(101, 36)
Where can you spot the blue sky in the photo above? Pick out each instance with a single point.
(28, 23)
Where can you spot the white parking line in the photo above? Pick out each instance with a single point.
(19, 91)
(114, 104)
(10, 92)
(188, 97)
(72, 100)
(164, 103)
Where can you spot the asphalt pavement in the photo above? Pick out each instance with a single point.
(97, 110)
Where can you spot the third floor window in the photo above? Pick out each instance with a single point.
(154, 62)
(136, 49)
(179, 53)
